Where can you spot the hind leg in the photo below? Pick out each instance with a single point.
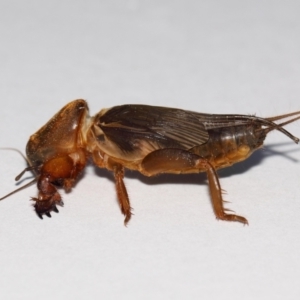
(181, 161)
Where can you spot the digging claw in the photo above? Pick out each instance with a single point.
(48, 214)
(46, 207)
(54, 208)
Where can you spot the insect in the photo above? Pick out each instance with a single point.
(149, 139)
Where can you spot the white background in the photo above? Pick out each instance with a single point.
(208, 56)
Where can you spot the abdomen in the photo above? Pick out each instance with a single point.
(228, 145)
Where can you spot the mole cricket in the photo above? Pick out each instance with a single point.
(149, 139)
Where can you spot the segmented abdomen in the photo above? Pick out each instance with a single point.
(228, 145)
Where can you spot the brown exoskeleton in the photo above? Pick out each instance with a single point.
(149, 139)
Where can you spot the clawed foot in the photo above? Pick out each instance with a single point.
(45, 207)
(127, 215)
(232, 218)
